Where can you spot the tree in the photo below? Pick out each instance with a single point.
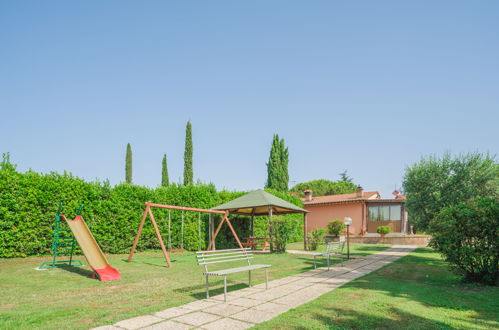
(323, 187)
(188, 171)
(164, 173)
(344, 177)
(128, 164)
(434, 183)
(277, 166)
(466, 235)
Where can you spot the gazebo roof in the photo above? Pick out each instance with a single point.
(257, 203)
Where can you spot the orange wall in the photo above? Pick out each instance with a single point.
(320, 215)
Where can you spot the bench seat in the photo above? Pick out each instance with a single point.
(206, 258)
(224, 272)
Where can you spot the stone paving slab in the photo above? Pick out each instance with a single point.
(227, 324)
(196, 318)
(252, 305)
(167, 325)
(138, 322)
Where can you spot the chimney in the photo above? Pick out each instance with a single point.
(308, 195)
(360, 192)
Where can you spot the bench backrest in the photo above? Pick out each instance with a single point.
(205, 258)
(335, 246)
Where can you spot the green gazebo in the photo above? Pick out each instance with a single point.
(258, 203)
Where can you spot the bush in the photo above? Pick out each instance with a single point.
(283, 230)
(315, 238)
(383, 230)
(467, 236)
(323, 187)
(335, 227)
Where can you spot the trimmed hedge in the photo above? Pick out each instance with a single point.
(28, 202)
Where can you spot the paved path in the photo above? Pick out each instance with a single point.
(249, 306)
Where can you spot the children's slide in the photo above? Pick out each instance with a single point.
(91, 249)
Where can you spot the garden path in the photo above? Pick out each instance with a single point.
(253, 305)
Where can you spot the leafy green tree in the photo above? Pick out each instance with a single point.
(466, 235)
(165, 181)
(188, 171)
(434, 183)
(128, 164)
(277, 166)
(323, 187)
(344, 177)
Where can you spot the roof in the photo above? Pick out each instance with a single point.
(257, 203)
(342, 198)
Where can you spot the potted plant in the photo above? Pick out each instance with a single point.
(335, 228)
(383, 230)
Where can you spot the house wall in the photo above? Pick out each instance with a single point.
(320, 215)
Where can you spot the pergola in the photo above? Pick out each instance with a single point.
(258, 203)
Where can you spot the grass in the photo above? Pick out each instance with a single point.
(415, 292)
(69, 298)
(355, 249)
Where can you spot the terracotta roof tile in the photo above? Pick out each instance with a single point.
(342, 198)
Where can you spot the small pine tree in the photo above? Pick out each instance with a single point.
(128, 164)
(164, 173)
(188, 171)
(344, 177)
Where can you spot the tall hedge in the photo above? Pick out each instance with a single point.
(28, 202)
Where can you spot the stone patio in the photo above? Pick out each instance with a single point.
(250, 306)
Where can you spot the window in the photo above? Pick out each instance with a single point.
(395, 212)
(385, 213)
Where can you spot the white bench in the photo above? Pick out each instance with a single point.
(332, 248)
(205, 258)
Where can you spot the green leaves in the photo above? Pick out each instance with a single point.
(188, 170)
(128, 164)
(277, 166)
(435, 183)
(323, 187)
(467, 236)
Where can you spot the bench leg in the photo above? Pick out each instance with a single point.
(266, 279)
(315, 266)
(249, 279)
(207, 290)
(225, 288)
(328, 261)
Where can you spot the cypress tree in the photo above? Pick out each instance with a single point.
(188, 171)
(164, 173)
(128, 164)
(277, 166)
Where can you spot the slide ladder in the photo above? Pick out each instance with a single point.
(63, 244)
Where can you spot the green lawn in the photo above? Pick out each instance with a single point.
(415, 292)
(69, 298)
(355, 249)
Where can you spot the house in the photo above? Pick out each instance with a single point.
(367, 210)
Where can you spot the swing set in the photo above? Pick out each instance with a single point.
(212, 236)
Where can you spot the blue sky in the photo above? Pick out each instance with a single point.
(367, 86)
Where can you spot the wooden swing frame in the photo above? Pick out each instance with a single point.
(148, 211)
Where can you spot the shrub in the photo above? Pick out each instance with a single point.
(467, 236)
(335, 227)
(315, 238)
(383, 230)
(323, 187)
(283, 230)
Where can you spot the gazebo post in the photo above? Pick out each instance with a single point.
(253, 223)
(304, 231)
(271, 229)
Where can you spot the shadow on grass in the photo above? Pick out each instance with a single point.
(78, 270)
(346, 318)
(423, 278)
